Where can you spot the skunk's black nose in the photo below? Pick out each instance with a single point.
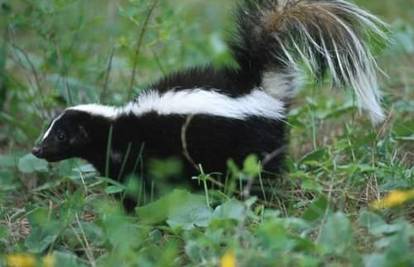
(37, 151)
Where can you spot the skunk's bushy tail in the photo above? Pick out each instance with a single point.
(278, 37)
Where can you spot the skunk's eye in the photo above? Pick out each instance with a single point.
(61, 136)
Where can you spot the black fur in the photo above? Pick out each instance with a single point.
(229, 81)
(209, 140)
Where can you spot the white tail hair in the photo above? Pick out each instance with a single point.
(326, 36)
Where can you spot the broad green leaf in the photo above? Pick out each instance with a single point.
(375, 260)
(190, 215)
(113, 189)
(404, 130)
(273, 236)
(376, 225)
(40, 239)
(30, 164)
(251, 166)
(67, 259)
(178, 203)
(336, 234)
(315, 156)
(373, 222)
(397, 246)
(85, 168)
(44, 231)
(232, 209)
(311, 185)
(316, 210)
(163, 169)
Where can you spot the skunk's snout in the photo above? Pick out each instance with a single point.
(37, 151)
(49, 151)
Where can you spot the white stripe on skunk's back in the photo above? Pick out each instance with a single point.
(195, 101)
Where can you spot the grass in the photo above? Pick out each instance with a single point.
(321, 213)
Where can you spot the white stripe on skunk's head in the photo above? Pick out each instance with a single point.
(66, 136)
(97, 109)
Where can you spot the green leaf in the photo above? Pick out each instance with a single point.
(374, 260)
(376, 225)
(311, 185)
(336, 234)
(232, 209)
(316, 210)
(251, 166)
(44, 231)
(163, 169)
(85, 168)
(315, 156)
(66, 259)
(179, 208)
(403, 130)
(273, 236)
(30, 164)
(190, 215)
(39, 240)
(119, 230)
(113, 189)
(371, 221)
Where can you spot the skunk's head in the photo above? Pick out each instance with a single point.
(66, 136)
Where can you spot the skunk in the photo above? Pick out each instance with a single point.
(206, 115)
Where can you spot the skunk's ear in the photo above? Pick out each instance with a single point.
(80, 137)
(83, 133)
